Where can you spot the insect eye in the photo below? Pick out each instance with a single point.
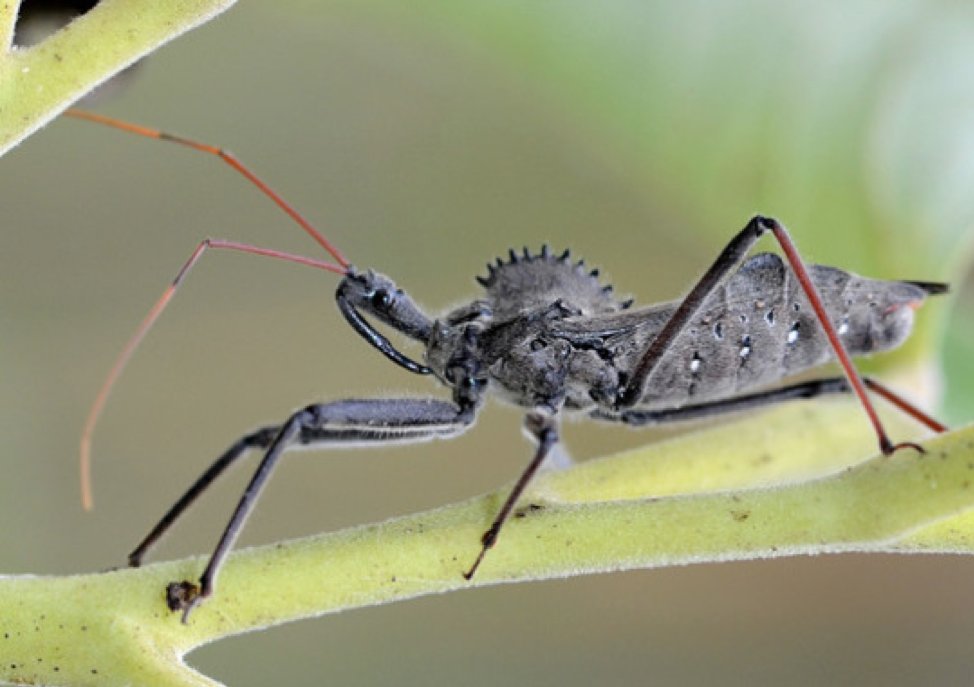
(381, 299)
(470, 382)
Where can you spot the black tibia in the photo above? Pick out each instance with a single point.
(818, 387)
(541, 423)
(801, 390)
(259, 439)
(372, 421)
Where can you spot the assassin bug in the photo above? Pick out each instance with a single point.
(549, 337)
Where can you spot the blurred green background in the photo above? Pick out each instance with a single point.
(426, 138)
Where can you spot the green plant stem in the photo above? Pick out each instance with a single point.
(114, 627)
(39, 82)
(8, 19)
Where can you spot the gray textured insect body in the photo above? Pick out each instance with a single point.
(548, 336)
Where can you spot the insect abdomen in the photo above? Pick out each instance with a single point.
(759, 328)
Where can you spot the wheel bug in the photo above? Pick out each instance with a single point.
(549, 337)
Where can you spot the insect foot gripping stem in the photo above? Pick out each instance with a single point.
(183, 596)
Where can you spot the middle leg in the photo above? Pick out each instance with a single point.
(542, 425)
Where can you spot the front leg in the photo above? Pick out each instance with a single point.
(260, 438)
(371, 421)
(543, 426)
